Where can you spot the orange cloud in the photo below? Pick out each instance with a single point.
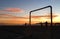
(45, 16)
(10, 19)
(11, 16)
(36, 16)
(13, 10)
(48, 16)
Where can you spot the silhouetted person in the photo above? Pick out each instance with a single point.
(25, 24)
(46, 23)
(41, 24)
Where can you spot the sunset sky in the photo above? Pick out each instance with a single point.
(17, 11)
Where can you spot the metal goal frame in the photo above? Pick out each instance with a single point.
(41, 9)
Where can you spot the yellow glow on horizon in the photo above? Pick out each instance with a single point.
(57, 19)
(23, 21)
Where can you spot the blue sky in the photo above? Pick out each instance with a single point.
(28, 5)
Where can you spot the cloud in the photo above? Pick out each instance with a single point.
(36, 16)
(11, 16)
(44, 16)
(15, 10)
(49, 16)
(10, 19)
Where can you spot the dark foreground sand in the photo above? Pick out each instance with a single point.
(26, 32)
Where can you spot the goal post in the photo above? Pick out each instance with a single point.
(41, 9)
